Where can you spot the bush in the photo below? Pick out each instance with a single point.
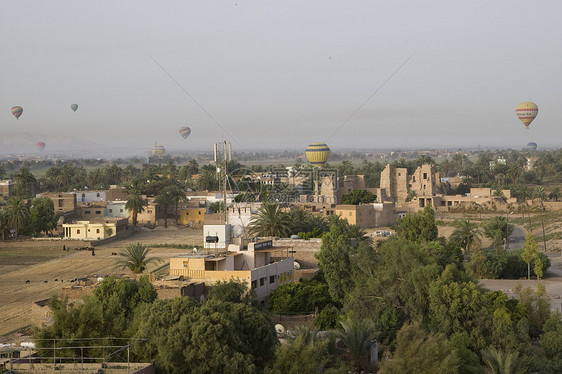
(492, 264)
(303, 297)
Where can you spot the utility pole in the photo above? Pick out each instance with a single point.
(223, 154)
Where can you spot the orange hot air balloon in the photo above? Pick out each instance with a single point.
(527, 111)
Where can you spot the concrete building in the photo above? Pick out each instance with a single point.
(150, 216)
(368, 215)
(192, 216)
(86, 230)
(253, 265)
(87, 196)
(216, 236)
(116, 209)
(5, 189)
(65, 202)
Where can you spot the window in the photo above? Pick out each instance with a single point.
(121, 210)
(60, 203)
(424, 175)
(199, 212)
(149, 211)
(110, 210)
(254, 284)
(98, 194)
(262, 281)
(78, 231)
(97, 231)
(83, 195)
(86, 212)
(98, 211)
(272, 279)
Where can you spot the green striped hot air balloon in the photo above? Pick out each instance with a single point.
(17, 111)
(184, 132)
(317, 153)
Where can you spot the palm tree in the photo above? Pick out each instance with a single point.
(465, 234)
(555, 194)
(16, 214)
(3, 225)
(502, 362)
(26, 180)
(356, 335)
(270, 221)
(135, 203)
(178, 195)
(165, 199)
(135, 258)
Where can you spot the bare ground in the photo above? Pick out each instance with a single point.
(50, 269)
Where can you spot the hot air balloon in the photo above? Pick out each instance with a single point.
(74, 107)
(532, 146)
(527, 112)
(185, 131)
(317, 153)
(17, 111)
(40, 146)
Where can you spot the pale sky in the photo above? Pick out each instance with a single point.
(282, 74)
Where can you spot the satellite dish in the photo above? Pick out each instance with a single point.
(296, 265)
(279, 328)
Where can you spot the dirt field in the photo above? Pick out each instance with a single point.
(48, 269)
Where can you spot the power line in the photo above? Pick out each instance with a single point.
(369, 98)
(195, 100)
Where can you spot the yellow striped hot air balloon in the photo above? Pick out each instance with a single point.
(527, 111)
(317, 153)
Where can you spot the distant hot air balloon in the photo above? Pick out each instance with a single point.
(185, 131)
(40, 146)
(532, 146)
(317, 153)
(17, 111)
(527, 112)
(74, 107)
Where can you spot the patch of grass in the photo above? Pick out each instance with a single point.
(178, 246)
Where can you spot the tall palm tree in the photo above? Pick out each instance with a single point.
(26, 180)
(135, 203)
(356, 335)
(165, 199)
(178, 195)
(135, 258)
(466, 234)
(502, 362)
(3, 225)
(16, 214)
(270, 221)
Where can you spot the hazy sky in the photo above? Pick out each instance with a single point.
(283, 74)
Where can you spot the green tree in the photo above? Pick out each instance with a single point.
(420, 352)
(418, 227)
(456, 307)
(530, 252)
(165, 199)
(302, 297)
(498, 230)
(233, 291)
(135, 201)
(42, 215)
(357, 197)
(25, 182)
(555, 194)
(356, 334)
(135, 258)
(17, 214)
(551, 338)
(502, 362)
(465, 235)
(338, 256)
(270, 221)
(216, 337)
